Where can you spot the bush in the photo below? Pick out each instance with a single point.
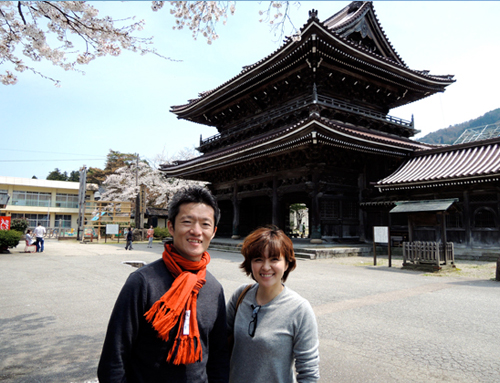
(19, 224)
(161, 232)
(9, 239)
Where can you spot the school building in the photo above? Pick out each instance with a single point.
(54, 204)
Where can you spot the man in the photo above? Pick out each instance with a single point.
(151, 234)
(129, 238)
(39, 234)
(169, 321)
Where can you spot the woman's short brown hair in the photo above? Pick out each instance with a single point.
(277, 244)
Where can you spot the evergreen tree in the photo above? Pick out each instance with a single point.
(56, 175)
(74, 176)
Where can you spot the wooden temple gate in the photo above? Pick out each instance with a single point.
(308, 124)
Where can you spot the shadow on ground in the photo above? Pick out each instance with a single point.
(31, 352)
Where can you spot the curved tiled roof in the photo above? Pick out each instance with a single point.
(328, 133)
(291, 42)
(455, 164)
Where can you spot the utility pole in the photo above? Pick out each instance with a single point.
(81, 202)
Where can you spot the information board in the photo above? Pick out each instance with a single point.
(112, 228)
(381, 234)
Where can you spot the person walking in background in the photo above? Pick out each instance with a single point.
(273, 326)
(39, 234)
(130, 239)
(169, 320)
(151, 234)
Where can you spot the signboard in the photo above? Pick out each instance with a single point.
(5, 223)
(381, 234)
(112, 228)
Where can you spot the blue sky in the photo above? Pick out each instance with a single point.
(122, 103)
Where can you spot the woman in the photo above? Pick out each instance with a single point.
(30, 241)
(274, 327)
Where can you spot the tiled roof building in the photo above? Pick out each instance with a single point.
(468, 173)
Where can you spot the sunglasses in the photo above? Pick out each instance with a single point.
(253, 323)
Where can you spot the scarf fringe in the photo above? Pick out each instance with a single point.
(162, 320)
(185, 351)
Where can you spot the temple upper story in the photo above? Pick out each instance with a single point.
(344, 69)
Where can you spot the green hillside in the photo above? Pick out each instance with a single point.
(450, 134)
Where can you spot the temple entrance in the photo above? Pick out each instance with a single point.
(298, 220)
(225, 226)
(257, 212)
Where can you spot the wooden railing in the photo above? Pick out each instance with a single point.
(418, 253)
(340, 105)
(303, 103)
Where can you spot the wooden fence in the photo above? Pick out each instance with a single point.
(428, 253)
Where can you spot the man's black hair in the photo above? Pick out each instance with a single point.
(196, 194)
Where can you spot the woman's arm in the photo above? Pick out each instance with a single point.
(306, 345)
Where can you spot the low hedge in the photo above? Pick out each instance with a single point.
(161, 232)
(9, 239)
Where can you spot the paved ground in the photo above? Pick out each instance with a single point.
(376, 324)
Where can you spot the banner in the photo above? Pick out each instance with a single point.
(5, 223)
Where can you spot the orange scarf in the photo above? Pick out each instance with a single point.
(178, 306)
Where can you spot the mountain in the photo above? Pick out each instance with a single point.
(450, 134)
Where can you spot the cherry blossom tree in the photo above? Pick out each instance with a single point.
(25, 27)
(123, 185)
(71, 33)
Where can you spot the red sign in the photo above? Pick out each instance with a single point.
(4, 223)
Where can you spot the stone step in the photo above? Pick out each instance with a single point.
(309, 252)
(333, 252)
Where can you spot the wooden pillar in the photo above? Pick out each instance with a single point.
(361, 212)
(236, 213)
(443, 227)
(444, 237)
(466, 215)
(315, 224)
(410, 228)
(275, 202)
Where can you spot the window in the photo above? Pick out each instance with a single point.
(484, 218)
(67, 200)
(26, 198)
(349, 210)
(63, 219)
(330, 209)
(33, 219)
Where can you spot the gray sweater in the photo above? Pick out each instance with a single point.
(286, 332)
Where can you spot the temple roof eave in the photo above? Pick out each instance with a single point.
(442, 183)
(313, 130)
